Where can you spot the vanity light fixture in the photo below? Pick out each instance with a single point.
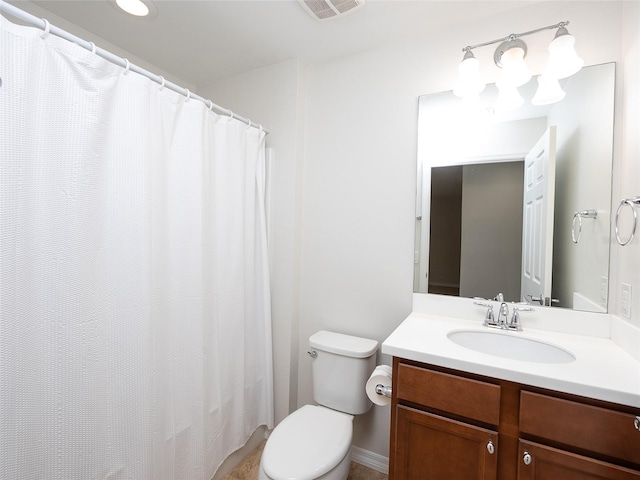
(509, 56)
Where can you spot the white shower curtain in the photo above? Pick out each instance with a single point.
(135, 338)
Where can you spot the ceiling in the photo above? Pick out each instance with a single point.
(200, 41)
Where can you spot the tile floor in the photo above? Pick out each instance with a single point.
(248, 469)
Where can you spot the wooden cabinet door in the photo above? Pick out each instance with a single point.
(546, 463)
(430, 447)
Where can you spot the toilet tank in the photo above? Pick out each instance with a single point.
(340, 368)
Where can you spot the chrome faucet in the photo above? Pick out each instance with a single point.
(503, 321)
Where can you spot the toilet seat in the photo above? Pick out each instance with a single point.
(308, 443)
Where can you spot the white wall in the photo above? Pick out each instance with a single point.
(357, 219)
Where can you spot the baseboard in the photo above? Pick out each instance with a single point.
(372, 460)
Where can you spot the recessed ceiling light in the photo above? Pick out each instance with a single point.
(138, 8)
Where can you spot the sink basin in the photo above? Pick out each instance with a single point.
(510, 345)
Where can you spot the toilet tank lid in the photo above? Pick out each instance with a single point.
(341, 344)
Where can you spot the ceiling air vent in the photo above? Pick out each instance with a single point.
(324, 9)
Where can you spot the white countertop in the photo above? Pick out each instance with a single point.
(602, 369)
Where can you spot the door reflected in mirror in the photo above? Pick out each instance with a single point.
(495, 206)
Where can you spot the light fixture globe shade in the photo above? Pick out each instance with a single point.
(549, 91)
(508, 98)
(514, 71)
(134, 7)
(563, 59)
(469, 81)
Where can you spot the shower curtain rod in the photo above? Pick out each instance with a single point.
(44, 25)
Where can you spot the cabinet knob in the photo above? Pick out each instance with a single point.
(490, 447)
(526, 458)
(636, 423)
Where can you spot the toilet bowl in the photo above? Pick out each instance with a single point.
(313, 443)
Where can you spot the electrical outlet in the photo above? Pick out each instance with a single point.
(625, 300)
(604, 291)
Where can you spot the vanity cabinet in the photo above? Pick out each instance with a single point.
(449, 424)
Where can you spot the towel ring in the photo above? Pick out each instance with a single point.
(580, 215)
(632, 203)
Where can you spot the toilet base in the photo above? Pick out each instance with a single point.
(339, 472)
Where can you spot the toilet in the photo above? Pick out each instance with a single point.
(314, 442)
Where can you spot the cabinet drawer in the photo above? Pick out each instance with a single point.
(546, 463)
(587, 427)
(456, 395)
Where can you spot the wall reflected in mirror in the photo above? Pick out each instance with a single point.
(474, 234)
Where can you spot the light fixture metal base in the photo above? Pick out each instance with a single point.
(507, 45)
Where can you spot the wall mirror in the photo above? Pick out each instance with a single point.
(483, 227)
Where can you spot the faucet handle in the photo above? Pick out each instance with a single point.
(482, 304)
(524, 308)
(514, 324)
(488, 318)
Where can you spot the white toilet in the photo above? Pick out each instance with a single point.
(314, 442)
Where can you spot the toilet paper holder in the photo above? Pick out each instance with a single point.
(382, 390)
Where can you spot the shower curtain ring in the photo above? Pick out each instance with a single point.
(127, 66)
(161, 82)
(231, 114)
(188, 95)
(93, 47)
(209, 104)
(47, 28)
